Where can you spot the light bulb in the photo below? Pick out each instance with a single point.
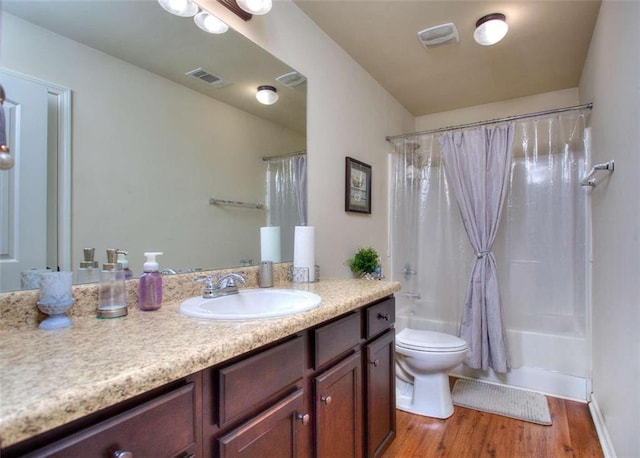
(184, 8)
(257, 7)
(210, 23)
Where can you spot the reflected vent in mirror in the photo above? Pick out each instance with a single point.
(291, 79)
(208, 77)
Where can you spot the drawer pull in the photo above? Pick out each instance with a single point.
(122, 454)
(384, 316)
(326, 399)
(376, 362)
(304, 418)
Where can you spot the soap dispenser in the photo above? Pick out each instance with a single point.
(122, 259)
(89, 271)
(112, 294)
(150, 284)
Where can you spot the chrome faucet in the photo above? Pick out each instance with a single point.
(226, 284)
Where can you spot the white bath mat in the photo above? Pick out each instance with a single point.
(502, 400)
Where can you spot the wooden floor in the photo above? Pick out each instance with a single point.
(469, 433)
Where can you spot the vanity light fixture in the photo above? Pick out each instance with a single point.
(183, 8)
(267, 95)
(210, 23)
(256, 7)
(203, 19)
(490, 29)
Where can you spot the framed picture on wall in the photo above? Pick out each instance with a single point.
(357, 186)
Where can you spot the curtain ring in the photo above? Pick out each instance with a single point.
(482, 254)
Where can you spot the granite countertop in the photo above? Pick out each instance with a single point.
(49, 378)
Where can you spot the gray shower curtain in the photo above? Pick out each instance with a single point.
(477, 164)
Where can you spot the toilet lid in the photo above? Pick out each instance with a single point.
(414, 339)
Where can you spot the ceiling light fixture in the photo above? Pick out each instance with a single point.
(256, 7)
(490, 29)
(209, 23)
(267, 95)
(184, 8)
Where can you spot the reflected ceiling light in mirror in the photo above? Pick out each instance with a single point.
(255, 6)
(209, 23)
(490, 29)
(184, 8)
(267, 95)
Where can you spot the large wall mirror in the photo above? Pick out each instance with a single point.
(148, 144)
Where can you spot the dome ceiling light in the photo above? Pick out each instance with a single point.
(490, 29)
(267, 95)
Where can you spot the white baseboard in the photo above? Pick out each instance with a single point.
(601, 428)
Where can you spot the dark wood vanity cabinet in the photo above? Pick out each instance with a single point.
(328, 391)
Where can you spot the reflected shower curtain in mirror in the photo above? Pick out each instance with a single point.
(477, 163)
(541, 246)
(286, 197)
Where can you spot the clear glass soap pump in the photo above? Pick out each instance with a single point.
(112, 295)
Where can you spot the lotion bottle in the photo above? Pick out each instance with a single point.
(150, 284)
(112, 294)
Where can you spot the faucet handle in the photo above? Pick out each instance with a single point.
(209, 286)
(229, 280)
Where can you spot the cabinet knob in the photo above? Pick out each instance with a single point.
(304, 418)
(375, 362)
(122, 454)
(326, 400)
(384, 316)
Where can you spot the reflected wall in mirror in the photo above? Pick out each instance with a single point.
(150, 145)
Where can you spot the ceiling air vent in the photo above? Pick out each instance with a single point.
(291, 79)
(207, 77)
(439, 35)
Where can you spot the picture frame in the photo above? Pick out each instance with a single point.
(357, 196)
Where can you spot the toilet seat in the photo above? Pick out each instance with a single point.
(429, 341)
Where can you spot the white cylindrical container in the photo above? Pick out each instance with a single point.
(270, 244)
(304, 250)
(55, 288)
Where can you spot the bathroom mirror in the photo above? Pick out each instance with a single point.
(150, 145)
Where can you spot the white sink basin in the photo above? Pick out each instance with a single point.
(251, 304)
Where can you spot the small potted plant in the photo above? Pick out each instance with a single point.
(366, 264)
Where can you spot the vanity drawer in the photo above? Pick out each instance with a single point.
(165, 426)
(379, 317)
(247, 384)
(334, 339)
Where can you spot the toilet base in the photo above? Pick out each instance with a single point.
(429, 396)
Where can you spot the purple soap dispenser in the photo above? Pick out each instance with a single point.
(150, 284)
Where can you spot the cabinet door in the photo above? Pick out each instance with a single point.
(380, 393)
(338, 405)
(270, 434)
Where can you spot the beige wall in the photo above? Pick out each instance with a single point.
(611, 80)
(348, 114)
(521, 105)
(148, 154)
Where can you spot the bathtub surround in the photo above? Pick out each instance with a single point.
(477, 164)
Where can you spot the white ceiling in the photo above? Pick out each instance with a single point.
(544, 50)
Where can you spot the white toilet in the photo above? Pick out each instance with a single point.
(423, 362)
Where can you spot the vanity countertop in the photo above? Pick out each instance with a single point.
(49, 378)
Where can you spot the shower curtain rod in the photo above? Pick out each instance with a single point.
(586, 106)
(285, 155)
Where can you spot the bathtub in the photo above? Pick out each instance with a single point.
(553, 364)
